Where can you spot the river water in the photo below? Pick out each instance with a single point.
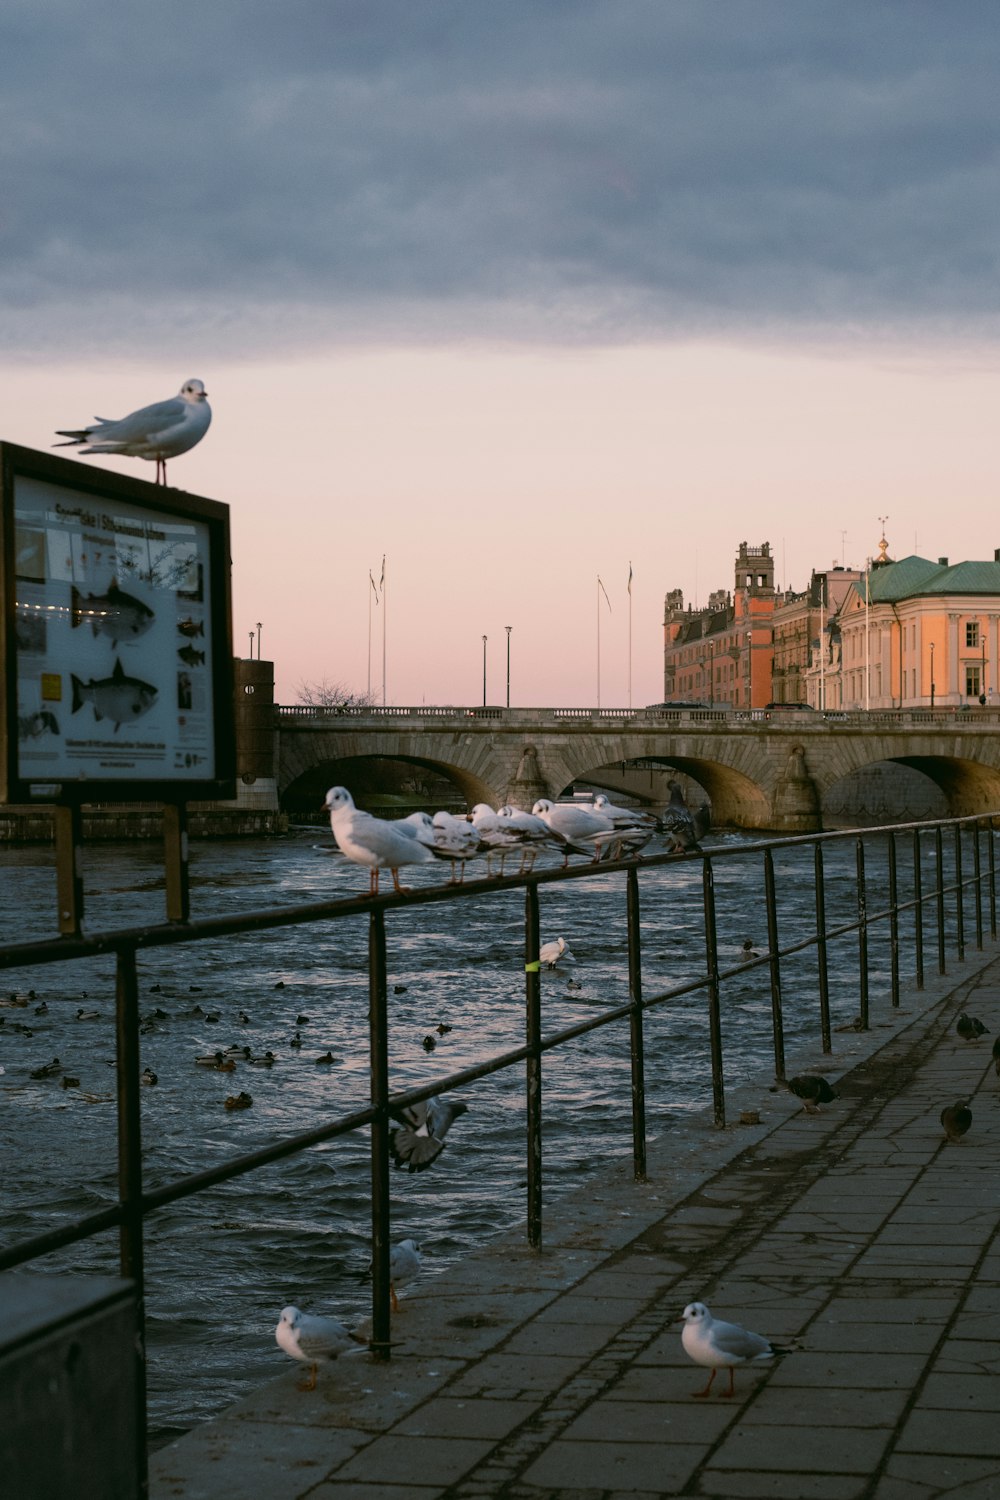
(222, 1264)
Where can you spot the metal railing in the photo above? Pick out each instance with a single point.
(136, 1201)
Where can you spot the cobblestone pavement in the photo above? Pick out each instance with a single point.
(860, 1235)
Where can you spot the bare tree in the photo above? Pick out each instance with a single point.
(327, 694)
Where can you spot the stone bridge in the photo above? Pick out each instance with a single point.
(759, 770)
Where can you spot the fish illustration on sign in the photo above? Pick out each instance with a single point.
(192, 657)
(118, 697)
(116, 614)
(191, 628)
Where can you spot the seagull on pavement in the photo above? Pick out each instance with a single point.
(404, 1266)
(311, 1338)
(418, 1140)
(371, 841)
(721, 1345)
(157, 432)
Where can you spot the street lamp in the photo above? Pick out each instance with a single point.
(932, 674)
(508, 629)
(251, 645)
(711, 672)
(258, 639)
(484, 671)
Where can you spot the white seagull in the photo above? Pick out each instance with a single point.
(404, 1266)
(578, 825)
(418, 1140)
(311, 1338)
(623, 817)
(721, 1345)
(156, 432)
(549, 954)
(459, 839)
(497, 833)
(533, 832)
(371, 841)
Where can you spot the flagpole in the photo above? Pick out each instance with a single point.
(372, 582)
(385, 611)
(598, 642)
(630, 637)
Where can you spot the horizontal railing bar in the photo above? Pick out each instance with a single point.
(55, 1239)
(55, 950)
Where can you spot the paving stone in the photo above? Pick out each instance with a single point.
(474, 1418)
(971, 1434)
(395, 1460)
(954, 1392)
(908, 1477)
(807, 1450)
(834, 1407)
(627, 1466)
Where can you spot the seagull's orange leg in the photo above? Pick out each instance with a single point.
(732, 1382)
(310, 1384)
(399, 889)
(708, 1387)
(394, 1299)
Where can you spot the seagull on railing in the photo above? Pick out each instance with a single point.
(156, 433)
(578, 825)
(371, 841)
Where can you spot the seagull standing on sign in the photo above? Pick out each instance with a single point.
(156, 433)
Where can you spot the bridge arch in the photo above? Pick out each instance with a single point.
(369, 777)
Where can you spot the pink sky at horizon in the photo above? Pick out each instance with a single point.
(499, 483)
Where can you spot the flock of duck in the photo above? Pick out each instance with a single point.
(599, 829)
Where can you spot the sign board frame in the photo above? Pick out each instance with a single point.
(115, 637)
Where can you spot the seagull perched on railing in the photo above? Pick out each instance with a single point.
(371, 841)
(578, 825)
(157, 432)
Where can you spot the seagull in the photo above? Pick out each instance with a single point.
(157, 432)
(311, 1338)
(623, 817)
(578, 825)
(459, 839)
(549, 954)
(404, 1267)
(956, 1119)
(715, 1344)
(812, 1090)
(498, 834)
(971, 1028)
(532, 832)
(418, 1140)
(371, 841)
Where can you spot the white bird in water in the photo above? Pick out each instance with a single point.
(549, 954)
(718, 1345)
(371, 841)
(311, 1338)
(156, 433)
(418, 1140)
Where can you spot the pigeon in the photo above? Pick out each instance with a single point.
(157, 432)
(956, 1119)
(404, 1267)
(678, 822)
(812, 1090)
(371, 841)
(970, 1028)
(715, 1344)
(311, 1338)
(418, 1140)
(549, 954)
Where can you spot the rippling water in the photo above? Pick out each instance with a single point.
(221, 1265)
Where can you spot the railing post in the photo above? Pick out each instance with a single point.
(130, 1177)
(939, 893)
(774, 964)
(67, 823)
(635, 1028)
(992, 866)
(175, 861)
(959, 896)
(714, 1019)
(378, 1028)
(821, 952)
(862, 933)
(918, 910)
(977, 865)
(893, 921)
(533, 1038)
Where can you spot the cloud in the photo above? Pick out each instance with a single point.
(245, 178)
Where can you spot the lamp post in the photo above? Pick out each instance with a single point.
(932, 674)
(508, 629)
(258, 639)
(484, 671)
(711, 673)
(251, 645)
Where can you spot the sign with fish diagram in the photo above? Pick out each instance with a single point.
(115, 635)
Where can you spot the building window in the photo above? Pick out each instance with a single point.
(972, 688)
(972, 632)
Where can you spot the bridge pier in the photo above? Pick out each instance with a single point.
(796, 803)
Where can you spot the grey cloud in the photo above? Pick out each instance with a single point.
(246, 176)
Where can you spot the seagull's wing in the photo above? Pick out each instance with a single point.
(148, 421)
(730, 1338)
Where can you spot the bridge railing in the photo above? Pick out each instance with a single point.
(941, 905)
(959, 716)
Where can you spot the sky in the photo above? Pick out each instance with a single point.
(518, 298)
